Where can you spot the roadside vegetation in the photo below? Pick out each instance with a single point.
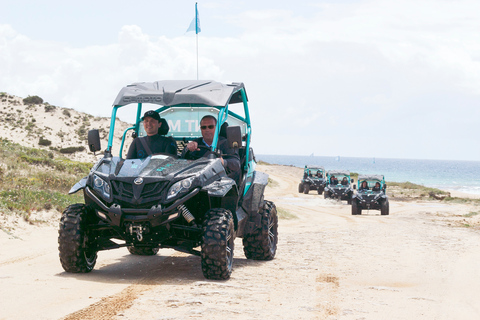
(32, 179)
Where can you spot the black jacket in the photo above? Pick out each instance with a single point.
(156, 143)
(231, 159)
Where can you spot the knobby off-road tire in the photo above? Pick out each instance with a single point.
(355, 209)
(76, 254)
(384, 210)
(262, 243)
(300, 187)
(320, 190)
(217, 244)
(306, 189)
(142, 251)
(326, 195)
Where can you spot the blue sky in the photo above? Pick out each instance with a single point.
(385, 79)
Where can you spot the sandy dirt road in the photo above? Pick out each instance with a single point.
(412, 264)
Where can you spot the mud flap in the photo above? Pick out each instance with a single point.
(253, 202)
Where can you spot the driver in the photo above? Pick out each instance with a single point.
(364, 185)
(230, 158)
(333, 180)
(344, 181)
(142, 147)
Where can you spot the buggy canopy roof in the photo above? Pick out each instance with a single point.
(334, 172)
(314, 167)
(370, 177)
(175, 92)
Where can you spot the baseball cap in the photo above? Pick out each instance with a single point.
(152, 114)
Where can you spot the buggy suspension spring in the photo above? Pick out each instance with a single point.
(186, 213)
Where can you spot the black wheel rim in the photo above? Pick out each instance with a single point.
(272, 229)
(229, 247)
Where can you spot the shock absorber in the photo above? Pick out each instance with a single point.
(186, 213)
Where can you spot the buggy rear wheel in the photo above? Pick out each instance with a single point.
(76, 250)
(218, 244)
(320, 190)
(262, 243)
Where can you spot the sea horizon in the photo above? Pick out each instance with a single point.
(455, 175)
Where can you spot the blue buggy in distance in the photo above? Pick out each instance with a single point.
(371, 198)
(313, 179)
(339, 188)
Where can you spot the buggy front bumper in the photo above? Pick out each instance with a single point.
(156, 215)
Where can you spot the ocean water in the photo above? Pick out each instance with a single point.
(443, 174)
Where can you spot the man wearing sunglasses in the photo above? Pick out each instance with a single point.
(153, 143)
(199, 147)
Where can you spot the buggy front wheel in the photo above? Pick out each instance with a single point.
(75, 246)
(217, 244)
(384, 210)
(306, 188)
(300, 187)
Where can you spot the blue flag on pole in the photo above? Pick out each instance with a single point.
(195, 24)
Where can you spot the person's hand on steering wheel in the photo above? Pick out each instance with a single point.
(193, 146)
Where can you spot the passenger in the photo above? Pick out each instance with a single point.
(333, 180)
(230, 158)
(376, 187)
(153, 143)
(344, 181)
(319, 174)
(364, 185)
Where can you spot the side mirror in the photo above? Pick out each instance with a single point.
(354, 187)
(234, 137)
(94, 140)
(351, 181)
(385, 186)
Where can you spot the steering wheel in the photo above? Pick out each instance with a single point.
(194, 155)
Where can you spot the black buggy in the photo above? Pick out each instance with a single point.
(374, 197)
(313, 179)
(165, 201)
(338, 185)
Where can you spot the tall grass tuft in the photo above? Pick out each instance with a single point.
(33, 179)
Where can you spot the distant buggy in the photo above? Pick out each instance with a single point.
(370, 195)
(313, 179)
(338, 185)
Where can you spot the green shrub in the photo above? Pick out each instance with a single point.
(32, 100)
(69, 150)
(49, 108)
(44, 142)
(67, 113)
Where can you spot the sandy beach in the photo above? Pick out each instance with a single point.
(417, 263)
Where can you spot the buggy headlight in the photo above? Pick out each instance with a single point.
(179, 187)
(101, 186)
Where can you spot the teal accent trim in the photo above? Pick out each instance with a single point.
(139, 117)
(123, 140)
(249, 127)
(222, 117)
(112, 128)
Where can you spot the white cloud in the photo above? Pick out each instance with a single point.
(314, 74)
